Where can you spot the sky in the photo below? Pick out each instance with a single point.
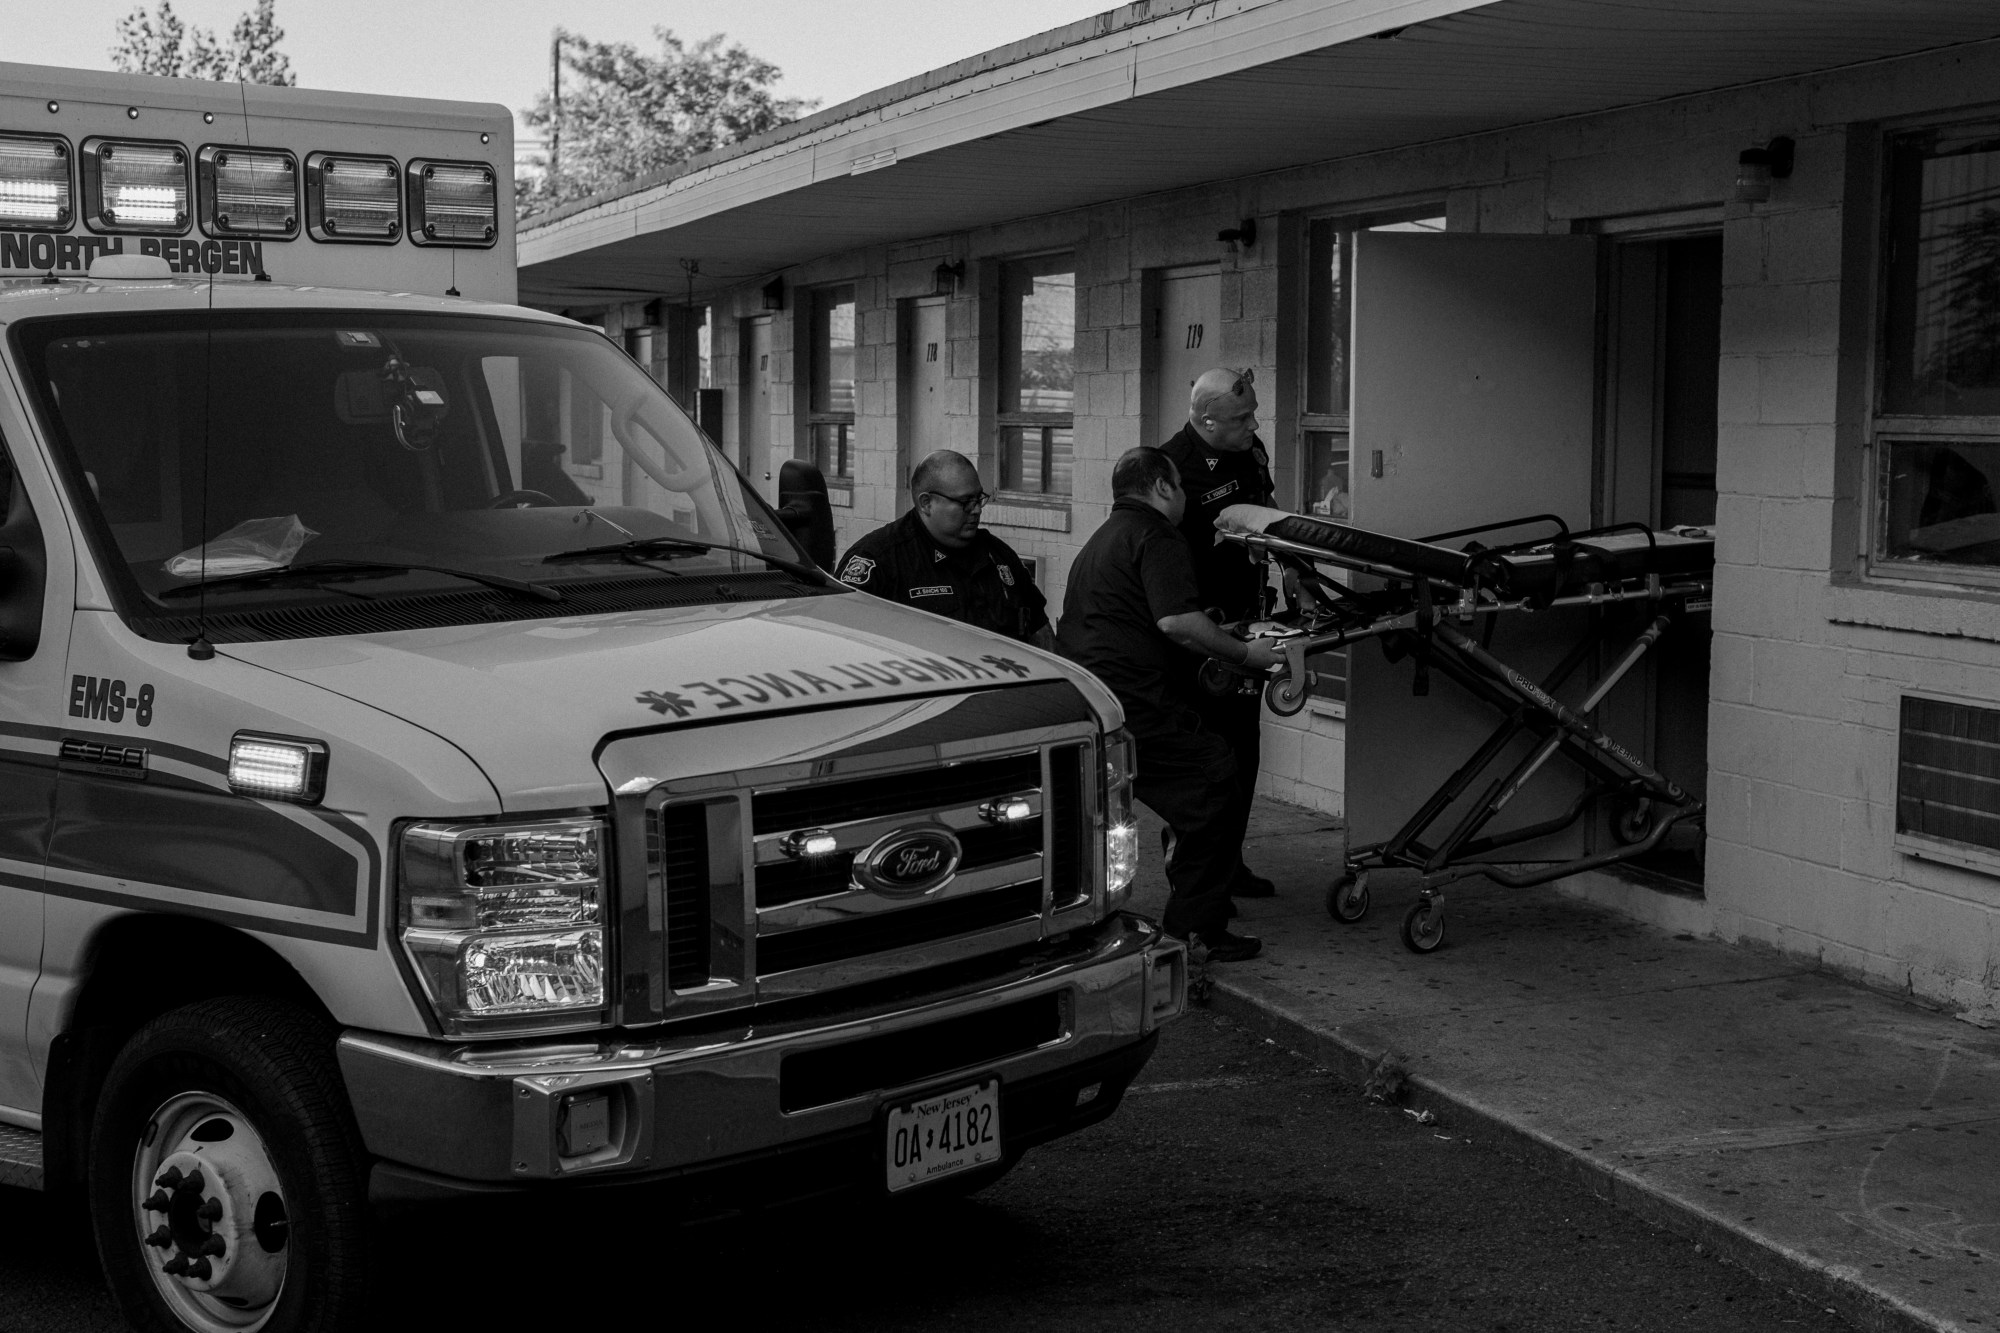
(498, 50)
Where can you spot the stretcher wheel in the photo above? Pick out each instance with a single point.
(1633, 821)
(1423, 926)
(1347, 898)
(1286, 695)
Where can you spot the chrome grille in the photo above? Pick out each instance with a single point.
(716, 915)
(811, 924)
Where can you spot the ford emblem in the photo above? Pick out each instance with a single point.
(909, 862)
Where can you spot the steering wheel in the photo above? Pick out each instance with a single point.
(524, 500)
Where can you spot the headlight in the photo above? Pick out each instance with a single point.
(505, 920)
(1121, 828)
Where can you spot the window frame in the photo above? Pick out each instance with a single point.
(1883, 429)
(1009, 358)
(824, 299)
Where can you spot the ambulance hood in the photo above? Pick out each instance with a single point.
(529, 701)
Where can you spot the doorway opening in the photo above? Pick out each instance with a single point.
(1659, 460)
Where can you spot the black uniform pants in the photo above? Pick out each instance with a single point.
(1188, 778)
(1239, 720)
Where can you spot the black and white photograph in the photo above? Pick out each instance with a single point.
(1279, 666)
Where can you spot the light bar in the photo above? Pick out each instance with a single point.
(350, 198)
(453, 203)
(135, 187)
(250, 192)
(34, 183)
(277, 768)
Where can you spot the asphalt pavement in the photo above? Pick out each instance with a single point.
(1240, 1186)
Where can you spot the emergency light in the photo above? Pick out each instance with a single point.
(452, 203)
(34, 183)
(135, 187)
(278, 768)
(350, 198)
(248, 192)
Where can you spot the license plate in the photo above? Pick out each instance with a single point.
(943, 1135)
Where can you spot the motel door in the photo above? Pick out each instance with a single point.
(756, 460)
(1187, 338)
(920, 416)
(1473, 401)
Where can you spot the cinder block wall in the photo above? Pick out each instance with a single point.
(1810, 661)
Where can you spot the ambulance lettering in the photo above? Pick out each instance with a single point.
(44, 253)
(102, 699)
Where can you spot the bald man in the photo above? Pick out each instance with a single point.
(938, 558)
(1223, 463)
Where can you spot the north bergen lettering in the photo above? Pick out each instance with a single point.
(41, 253)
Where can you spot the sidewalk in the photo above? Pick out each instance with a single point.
(1836, 1140)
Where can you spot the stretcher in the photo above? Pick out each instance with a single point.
(1437, 604)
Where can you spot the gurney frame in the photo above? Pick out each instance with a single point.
(1428, 619)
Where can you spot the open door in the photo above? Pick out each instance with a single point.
(1473, 401)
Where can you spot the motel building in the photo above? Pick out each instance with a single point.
(1732, 266)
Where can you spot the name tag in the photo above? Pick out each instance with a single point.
(935, 590)
(1212, 496)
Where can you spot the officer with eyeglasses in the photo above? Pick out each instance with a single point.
(1223, 463)
(938, 558)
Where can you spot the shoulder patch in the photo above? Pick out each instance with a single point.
(857, 570)
(1006, 574)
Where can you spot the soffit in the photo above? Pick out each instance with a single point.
(1262, 85)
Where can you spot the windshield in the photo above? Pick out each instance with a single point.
(261, 463)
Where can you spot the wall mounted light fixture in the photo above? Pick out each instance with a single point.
(774, 294)
(946, 277)
(1756, 168)
(1244, 233)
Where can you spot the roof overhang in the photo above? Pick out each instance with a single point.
(1157, 97)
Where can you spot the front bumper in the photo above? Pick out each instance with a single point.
(444, 1118)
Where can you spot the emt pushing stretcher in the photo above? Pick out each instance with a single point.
(1438, 605)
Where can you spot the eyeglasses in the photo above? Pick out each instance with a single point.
(1244, 379)
(972, 503)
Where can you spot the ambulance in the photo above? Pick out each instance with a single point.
(427, 768)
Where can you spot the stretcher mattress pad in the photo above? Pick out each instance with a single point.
(1547, 570)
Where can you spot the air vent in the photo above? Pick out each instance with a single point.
(1948, 772)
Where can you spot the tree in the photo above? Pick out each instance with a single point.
(629, 114)
(160, 43)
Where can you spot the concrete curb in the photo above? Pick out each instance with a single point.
(1840, 1288)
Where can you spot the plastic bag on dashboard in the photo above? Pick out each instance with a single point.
(254, 545)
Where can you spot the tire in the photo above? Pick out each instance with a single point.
(1632, 821)
(227, 1181)
(1423, 926)
(1347, 898)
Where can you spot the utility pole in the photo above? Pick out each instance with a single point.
(555, 117)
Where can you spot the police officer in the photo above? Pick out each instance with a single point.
(1223, 463)
(1132, 614)
(938, 558)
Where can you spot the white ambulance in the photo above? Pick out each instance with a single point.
(395, 805)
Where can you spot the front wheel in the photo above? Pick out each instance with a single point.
(1347, 897)
(227, 1180)
(1423, 926)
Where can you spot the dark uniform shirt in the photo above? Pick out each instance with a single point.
(984, 584)
(1134, 572)
(1229, 577)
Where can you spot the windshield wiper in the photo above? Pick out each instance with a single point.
(323, 568)
(641, 547)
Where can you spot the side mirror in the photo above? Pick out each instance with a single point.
(803, 506)
(23, 573)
